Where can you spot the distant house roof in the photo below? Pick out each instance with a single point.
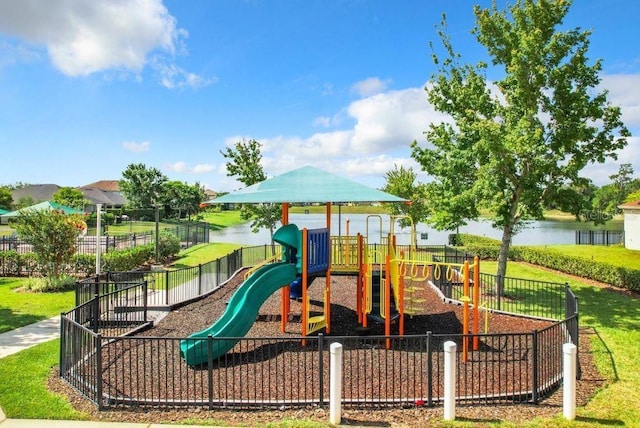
(633, 205)
(306, 185)
(104, 185)
(99, 196)
(37, 192)
(210, 193)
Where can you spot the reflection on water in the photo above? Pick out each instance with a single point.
(375, 226)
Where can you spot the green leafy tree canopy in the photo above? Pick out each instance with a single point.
(142, 185)
(6, 198)
(401, 182)
(71, 197)
(511, 144)
(53, 236)
(243, 163)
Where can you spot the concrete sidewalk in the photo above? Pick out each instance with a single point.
(30, 335)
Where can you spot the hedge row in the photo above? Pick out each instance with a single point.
(13, 263)
(487, 248)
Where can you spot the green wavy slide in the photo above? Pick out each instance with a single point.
(240, 314)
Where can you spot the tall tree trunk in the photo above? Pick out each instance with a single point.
(507, 234)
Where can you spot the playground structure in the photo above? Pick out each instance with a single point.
(385, 292)
(121, 368)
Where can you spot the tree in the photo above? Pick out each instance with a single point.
(402, 183)
(512, 144)
(183, 197)
(53, 236)
(243, 163)
(142, 186)
(70, 197)
(6, 198)
(24, 201)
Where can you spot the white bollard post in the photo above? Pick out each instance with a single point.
(335, 384)
(449, 381)
(570, 352)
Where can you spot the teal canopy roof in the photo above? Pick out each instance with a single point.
(3, 211)
(306, 185)
(49, 205)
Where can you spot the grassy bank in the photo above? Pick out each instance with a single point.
(612, 320)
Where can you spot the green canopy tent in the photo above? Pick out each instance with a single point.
(48, 205)
(306, 185)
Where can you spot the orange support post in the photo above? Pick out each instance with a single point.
(465, 312)
(387, 301)
(476, 301)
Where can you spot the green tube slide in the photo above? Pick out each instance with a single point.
(240, 314)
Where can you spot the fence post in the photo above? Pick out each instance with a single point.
(145, 301)
(210, 369)
(335, 385)
(63, 344)
(449, 380)
(569, 381)
(429, 371)
(534, 375)
(199, 279)
(98, 374)
(96, 313)
(166, 287)
(321, 367)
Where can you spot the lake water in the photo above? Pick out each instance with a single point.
(536, 233)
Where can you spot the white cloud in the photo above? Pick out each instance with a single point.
(179, 166)
(173, 77)
(183, 167)
(322, 121)
(623, 92)
(370, 86)
(391, 120)
(84, 37)
(137, 147)
(202, 168)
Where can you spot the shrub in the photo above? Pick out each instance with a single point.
(481, 246)
(50, 284)
(83, 264)
(487, 248)
(169, 246)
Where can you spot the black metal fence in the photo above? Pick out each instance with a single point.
(599, 237)
(272, 372)
(111, 368)
(189, 234)
(175, 287)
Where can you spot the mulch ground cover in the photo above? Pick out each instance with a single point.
(282, 372)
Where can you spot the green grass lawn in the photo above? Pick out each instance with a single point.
(220, 219)
(20, 308)
(613, 319)
(610, 321)
(203, 253)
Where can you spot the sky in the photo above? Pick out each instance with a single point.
(88, 87)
